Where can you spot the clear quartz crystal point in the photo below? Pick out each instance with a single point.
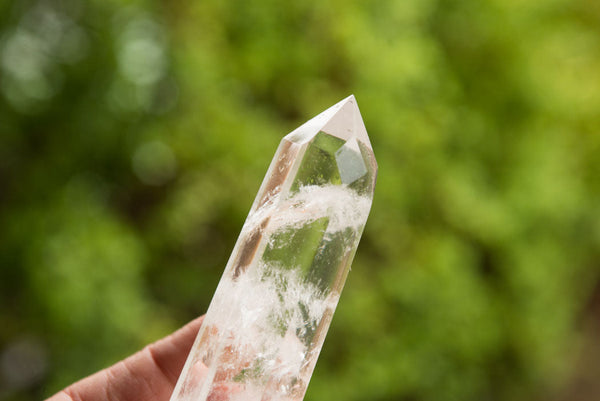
(267, 321)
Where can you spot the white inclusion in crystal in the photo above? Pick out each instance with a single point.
(350, 162)
(292, 351)
(342, 205)
(260, 297)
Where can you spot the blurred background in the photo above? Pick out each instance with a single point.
(134, 136)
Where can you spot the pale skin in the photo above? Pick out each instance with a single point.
(150, 374)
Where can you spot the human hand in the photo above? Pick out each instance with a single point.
(150, 374)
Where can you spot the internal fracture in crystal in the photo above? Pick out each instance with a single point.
(267, 321)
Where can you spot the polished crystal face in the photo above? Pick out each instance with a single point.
(268, 318)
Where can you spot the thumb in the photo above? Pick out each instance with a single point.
(150, 374)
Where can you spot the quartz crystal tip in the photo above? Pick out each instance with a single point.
(342, 120)
(267, 321)
(332, 147)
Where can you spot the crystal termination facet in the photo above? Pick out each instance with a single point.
(266, 324)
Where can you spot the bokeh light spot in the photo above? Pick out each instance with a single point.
(154, 163)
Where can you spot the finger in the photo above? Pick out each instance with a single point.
(149, 374)
(169, 354)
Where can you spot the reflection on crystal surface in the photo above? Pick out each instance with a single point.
(350, 162)
(268, 318)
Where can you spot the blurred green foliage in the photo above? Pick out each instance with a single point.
(135, 134)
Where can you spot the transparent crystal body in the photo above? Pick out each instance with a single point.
(267, 321)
